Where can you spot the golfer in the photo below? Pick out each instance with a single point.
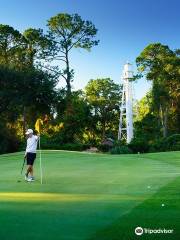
(30, 154)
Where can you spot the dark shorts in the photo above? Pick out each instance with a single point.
(30, 158)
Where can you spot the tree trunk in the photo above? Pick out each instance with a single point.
(164, 119)
(68, 74)
(165, 122)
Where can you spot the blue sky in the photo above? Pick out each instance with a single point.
(124, 29)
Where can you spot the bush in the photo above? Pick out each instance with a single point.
(75, 146)
(22, 145)
(9, 141)
(104, 147)
(139, 145)
(3, 146)
(121, 150)
(157, 146)
(171, 143)
(50, 143)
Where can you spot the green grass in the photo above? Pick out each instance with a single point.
(90, 196)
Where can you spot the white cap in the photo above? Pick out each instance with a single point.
(29, 131)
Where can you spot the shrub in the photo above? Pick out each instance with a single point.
(157, 146)
(3, 146)
(22, 145)
(51, 143)
(74, 146)
(172, 143)
(139, 145)
(121, 150)
(104, 147)
(9, 141)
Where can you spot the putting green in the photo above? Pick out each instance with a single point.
(90, 196)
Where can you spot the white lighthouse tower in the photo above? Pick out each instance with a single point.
(126, 109)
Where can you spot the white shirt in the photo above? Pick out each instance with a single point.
(32, 144)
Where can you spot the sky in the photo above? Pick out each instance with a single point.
(125, 28)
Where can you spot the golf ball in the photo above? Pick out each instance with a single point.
(149, 186)
(162, 204)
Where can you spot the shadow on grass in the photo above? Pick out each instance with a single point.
(161, 211)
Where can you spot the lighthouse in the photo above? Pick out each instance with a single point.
(126, 109)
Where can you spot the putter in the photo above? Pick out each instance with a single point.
(22, 168)
(23, 165)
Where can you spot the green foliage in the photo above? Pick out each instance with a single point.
(9, 141)
(171, 143)
(148, 128)
(56, 143)
(71, 31)
(120, 147)
(121, 150)
(38, 46)
(11, 44)
(143, 107)
(157, 146)
(74, 115)
(28, 91)
(68, 32)
(29, 88)
(139, 145)
(104, 147)
(161, 66)
(103, 96)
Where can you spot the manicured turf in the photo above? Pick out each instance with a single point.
(90, 196)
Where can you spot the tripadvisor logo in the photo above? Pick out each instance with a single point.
(139, 231)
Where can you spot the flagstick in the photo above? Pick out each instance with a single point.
(40, 162)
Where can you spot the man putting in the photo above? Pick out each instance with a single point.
(30, 154)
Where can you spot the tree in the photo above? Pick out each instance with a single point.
(38, 46)
(146, 127)
(174, 92)
(31, 89)
(74, 119)
(104, 96)
(157, 61)
(11, 41)
(68, 32)
(143, 107)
